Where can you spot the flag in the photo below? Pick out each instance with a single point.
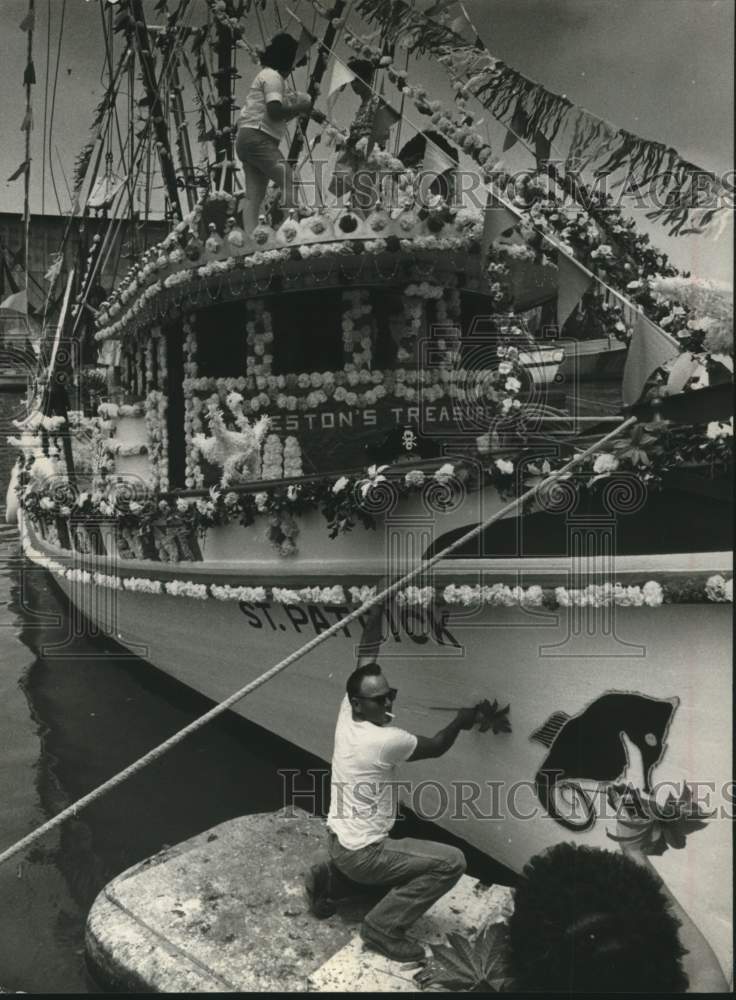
(436, 160)
(498, 220)
(517, 128)
(29, 74)
(28, 22)
(384, 118)
(650, 347)
(21, 170)
(340, 76)
(574, 281)
(462, 27)
(306, 41)
(18, 302)
(542, 149)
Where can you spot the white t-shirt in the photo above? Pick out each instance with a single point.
(363, 801)
(268, 85)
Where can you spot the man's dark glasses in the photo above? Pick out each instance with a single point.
(390, 695)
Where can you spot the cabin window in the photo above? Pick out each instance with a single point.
(307, 331)
(221, 344)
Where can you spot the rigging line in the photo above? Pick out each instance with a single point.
(380, 598)
(93, 271)
(53, 104)
(45, 108)
(27, 161)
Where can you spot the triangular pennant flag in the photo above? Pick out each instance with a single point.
(104, 191)
(574, 282)
(340, 76)
(306, 41)
(436, 160)
(18, 302)
(29, 75)
(517, 129)
(384, 118)
(21, 170)
(29, 21)
(542, 149)
(498, 220)
(462, 27)
(27, 124)
(55, 270)
(650, 347)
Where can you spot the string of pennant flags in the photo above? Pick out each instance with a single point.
(688, 197)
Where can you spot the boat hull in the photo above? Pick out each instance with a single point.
(540, 662)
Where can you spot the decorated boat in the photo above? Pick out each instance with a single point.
(295, 417)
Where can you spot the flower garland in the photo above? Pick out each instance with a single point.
(193, 474)
(356, 329)
(156, 404)
(113, 319)
(650, 594)
(273, 458)
(259, 336)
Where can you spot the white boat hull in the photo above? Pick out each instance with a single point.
(538, 661)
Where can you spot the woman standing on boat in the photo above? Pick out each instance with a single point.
(268, 106)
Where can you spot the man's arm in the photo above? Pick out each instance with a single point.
(434, 746)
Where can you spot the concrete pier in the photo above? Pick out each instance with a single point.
(226, 912)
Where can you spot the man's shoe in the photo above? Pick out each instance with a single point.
(400, 949)
(317, 884)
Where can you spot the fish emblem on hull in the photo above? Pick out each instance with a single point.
(591, 746)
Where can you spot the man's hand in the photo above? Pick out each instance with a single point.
(466, 718)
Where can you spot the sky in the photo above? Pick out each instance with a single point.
(660, 68)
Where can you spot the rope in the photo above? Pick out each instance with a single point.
(278, 668)
(28, 125)
(53, 104)
(45, 106)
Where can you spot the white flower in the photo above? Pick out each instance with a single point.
(717, 430)
(504, 466)
(414, 478)
(512, 384)
(653, 595)
(605, 464)
(445, 472)
(505, 368)
(340, 485)
(717, 590)
(261, 500)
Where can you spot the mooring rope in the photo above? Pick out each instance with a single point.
(268, 675)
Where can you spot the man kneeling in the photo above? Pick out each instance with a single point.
(363, 811)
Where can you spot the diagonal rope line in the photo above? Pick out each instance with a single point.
(279, 668)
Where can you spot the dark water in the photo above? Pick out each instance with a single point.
(73, 712)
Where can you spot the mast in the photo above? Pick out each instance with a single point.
(320, 65)
(139, 32)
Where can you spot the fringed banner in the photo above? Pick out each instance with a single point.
(686, 198)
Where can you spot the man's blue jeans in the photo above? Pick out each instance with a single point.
(420, 871)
